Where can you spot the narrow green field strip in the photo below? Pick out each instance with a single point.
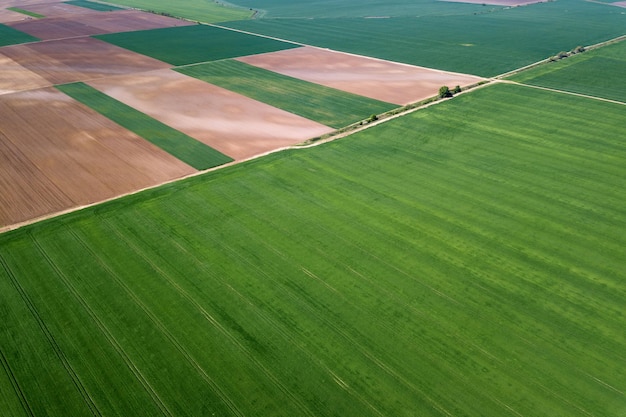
(101, 7)
(179, 145)
(325, 105)
(10, 36)
(186, 45)
(597, 73)
(26, 12)
(198, 10)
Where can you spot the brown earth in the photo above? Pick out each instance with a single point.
(95, 23)
(78, 59)
(511, 3)
(56, 153)
(51, 8)
(7, 16)
(378, 79)
(15, 77)
(231, 123)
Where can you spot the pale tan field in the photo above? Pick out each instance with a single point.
(382, 80)
(51, 8)
(233, 124)
(56, 154)
(7, 16)
(16, 78)
(78, 59)
(95, 23)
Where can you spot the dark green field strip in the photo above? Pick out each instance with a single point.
(179, 145)
(197, 10)
(26, 12)
(461, 43)
(93, 6)
(597, 73)
(10, 36)
(193, 44)
(461, 260)
(325, 105)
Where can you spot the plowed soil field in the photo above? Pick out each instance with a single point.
(15, 77)
(52, 9)
(381, 80)
(56, 154)
(231, 123)
(7, 16)
(94, 23)
(79, 59)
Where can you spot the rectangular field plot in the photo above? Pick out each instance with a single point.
(92, 5)
(177, 144)
(54, 8)
(196, 10)
(10, 36)
(79, 59)
(95, 23)
(380, 80)
(598, 73)
(194, 44)
(16, 78)
(58, 154)
(464, 260)
(7, 16)
(229, 122)
(324, 105)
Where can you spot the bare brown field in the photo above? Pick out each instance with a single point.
(510, 3)
(56, 153)
(619, 4)
(7, 16)
(233, 124)
(78, 59)
(95, 23)
(19, 3)
(16, 78)
(52, 8)
(374, 78)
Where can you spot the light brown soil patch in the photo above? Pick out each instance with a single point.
(382, 80)
(7, 16)
(54, 9)
(510, 3)
(233, 124)
(56, 154)
(95, 23)
(619, 4)
(15, 77)
(71, 60)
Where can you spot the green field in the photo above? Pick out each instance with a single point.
(185, 45)
(93, 5)
(174, 142)
(26, 12)
(598, 73)
(463, 260)
(207, 11)
(458, 42)
(325, 105)
(10, 36)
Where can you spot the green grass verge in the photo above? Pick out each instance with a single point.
(206, 11)
(174, 142)
(325, 105)
(193, 44)
(93, 5)
(26, 12)
(461, 42)
(466, 259)
(597, 73)
(10, 36)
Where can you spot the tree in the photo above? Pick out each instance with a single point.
(444, 92)
(456, 90)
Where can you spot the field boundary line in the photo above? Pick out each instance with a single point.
(107, 333)
(555, 90)
(15, 383)
(160, 326)
(78, 384)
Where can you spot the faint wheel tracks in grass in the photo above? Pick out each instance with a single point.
(162, 328)
(212, 320)
(16, 385)
(107, 334)
(78, 384)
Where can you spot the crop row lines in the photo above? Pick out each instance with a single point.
(16, 385)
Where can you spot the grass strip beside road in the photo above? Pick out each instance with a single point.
(93, 6)
(316, 102)
(176, 143)
(26, 12)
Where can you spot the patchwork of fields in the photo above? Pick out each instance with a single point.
(465, 259)
(420, 267)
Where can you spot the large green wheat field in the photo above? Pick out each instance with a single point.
(464, 260)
